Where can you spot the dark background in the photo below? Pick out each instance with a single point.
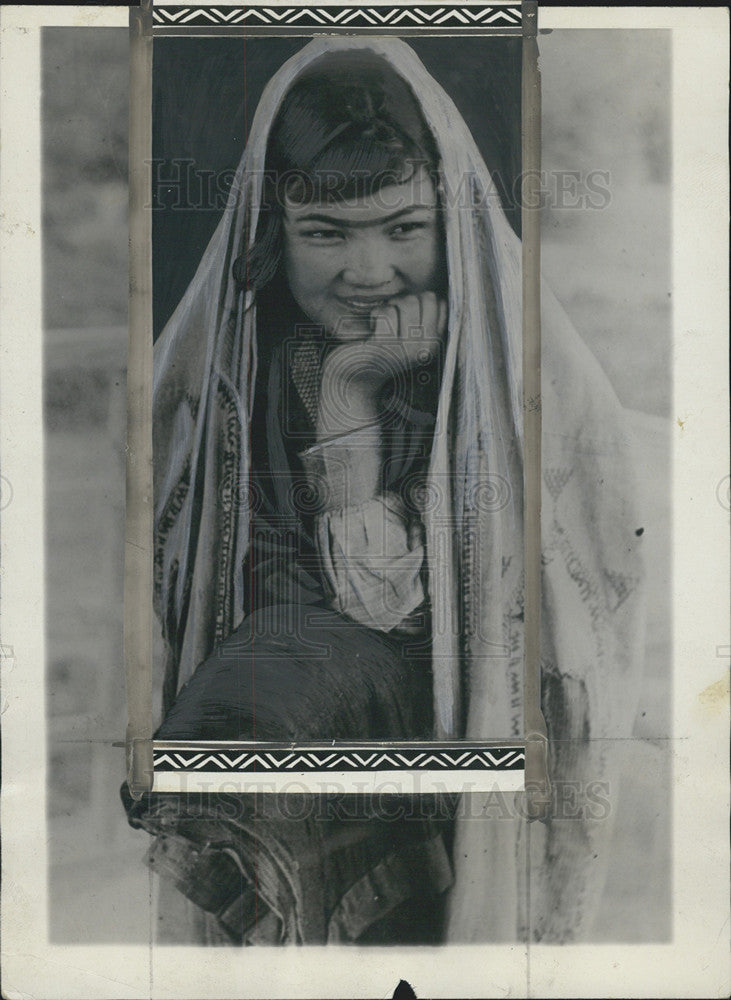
(206, 91)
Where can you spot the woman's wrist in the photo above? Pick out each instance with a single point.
(343, 409)
(363, 432)
(345, 470)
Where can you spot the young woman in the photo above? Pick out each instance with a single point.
(338, 531)
(349, 273)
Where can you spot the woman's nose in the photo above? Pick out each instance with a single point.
(367, 263)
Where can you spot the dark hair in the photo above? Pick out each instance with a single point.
(348, 127)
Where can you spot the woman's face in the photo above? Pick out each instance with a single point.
(343, 260)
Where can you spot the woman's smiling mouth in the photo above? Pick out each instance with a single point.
(362, 304)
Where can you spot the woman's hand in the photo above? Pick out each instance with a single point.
(406, 332)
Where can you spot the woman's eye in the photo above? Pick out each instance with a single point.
(407, 228)
(323, 235)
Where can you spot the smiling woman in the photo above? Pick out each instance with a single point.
(348, 265)
(338, 524)
(361, 255)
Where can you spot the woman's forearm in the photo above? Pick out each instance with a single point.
(350, 450)
(372, 558)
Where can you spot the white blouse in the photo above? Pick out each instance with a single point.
(372, 553)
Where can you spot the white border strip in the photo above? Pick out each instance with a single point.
(333, 782)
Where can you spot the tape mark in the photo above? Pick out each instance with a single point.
(714, 698)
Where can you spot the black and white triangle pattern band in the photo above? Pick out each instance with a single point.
(242, 758)
(381, 17)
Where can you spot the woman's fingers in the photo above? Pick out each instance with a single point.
(429, 316)
(428, 342)
(385, 322)
(410, 327)
(411, 315)
(386, 340)
(441, 318)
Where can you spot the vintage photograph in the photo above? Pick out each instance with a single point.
(265, 427)
(338, 441)
(300, 477)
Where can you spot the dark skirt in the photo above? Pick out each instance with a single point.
(306, 868)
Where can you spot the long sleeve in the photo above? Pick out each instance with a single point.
(372, 552)
(372, 558)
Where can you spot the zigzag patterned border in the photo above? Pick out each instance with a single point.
(381, 17)
(238, 758)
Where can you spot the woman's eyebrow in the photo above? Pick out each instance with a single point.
(341, 223)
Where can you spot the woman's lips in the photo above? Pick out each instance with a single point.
(362, 306)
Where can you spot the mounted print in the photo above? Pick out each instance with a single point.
(345, 413)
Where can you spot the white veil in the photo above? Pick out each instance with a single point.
(204, 370)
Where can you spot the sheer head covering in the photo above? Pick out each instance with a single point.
(205, 367)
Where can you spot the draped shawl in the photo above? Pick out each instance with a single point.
(205, 366)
